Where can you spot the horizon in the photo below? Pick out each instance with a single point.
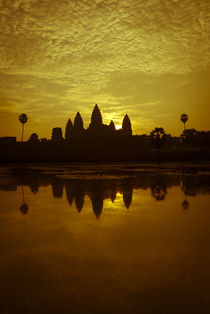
(86, 126)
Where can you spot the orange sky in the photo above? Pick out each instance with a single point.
(149, 59)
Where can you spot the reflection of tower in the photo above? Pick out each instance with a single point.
(79, 200)
(113, 195)
(57, 188)
(97, 202)
(69, 194)
(97, 196)
(127, 193)
(24, 206)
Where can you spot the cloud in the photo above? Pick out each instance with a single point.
(61, 54)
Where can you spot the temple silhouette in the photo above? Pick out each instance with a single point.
(103, 142)
(75, 131)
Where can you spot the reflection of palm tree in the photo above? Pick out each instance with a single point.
(185, 204)
(23, 119)
(184, 118)
(24, 207)
(159, 191)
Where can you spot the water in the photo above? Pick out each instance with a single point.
(101, 240)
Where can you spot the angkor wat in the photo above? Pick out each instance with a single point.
(101, 142)
(96, 129)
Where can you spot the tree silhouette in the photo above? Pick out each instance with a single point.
(159, 191)
(68, 130)
(158, 138)
(23, 119)
(96, 118)
(184, 118)
(188, 136)
(34, 138)
(126, 125)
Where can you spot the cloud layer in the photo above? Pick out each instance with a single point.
(60, 56)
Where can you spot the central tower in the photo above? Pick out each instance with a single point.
(96, 118)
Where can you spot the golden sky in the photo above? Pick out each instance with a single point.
(147, 58)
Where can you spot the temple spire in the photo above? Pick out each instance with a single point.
(96, 118)
(68, 130)
(126, 125)
(78, 123)
(112, 125)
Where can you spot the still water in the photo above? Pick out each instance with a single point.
(104, 241)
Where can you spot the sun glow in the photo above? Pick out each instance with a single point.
(118, 126)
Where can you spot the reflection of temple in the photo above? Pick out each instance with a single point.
(57, 187)
(127, 193)
(99, 190)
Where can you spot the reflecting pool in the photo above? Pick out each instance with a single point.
(101, 240)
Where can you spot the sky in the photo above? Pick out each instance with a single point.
(147, 58)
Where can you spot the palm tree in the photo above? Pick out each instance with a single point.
(184, 118)
(23, 119)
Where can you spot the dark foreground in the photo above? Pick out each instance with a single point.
(134, 149)
(105, 238)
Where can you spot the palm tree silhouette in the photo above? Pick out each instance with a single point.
(184, 118)
(23, 119)
(24, 207)
(158, 138)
